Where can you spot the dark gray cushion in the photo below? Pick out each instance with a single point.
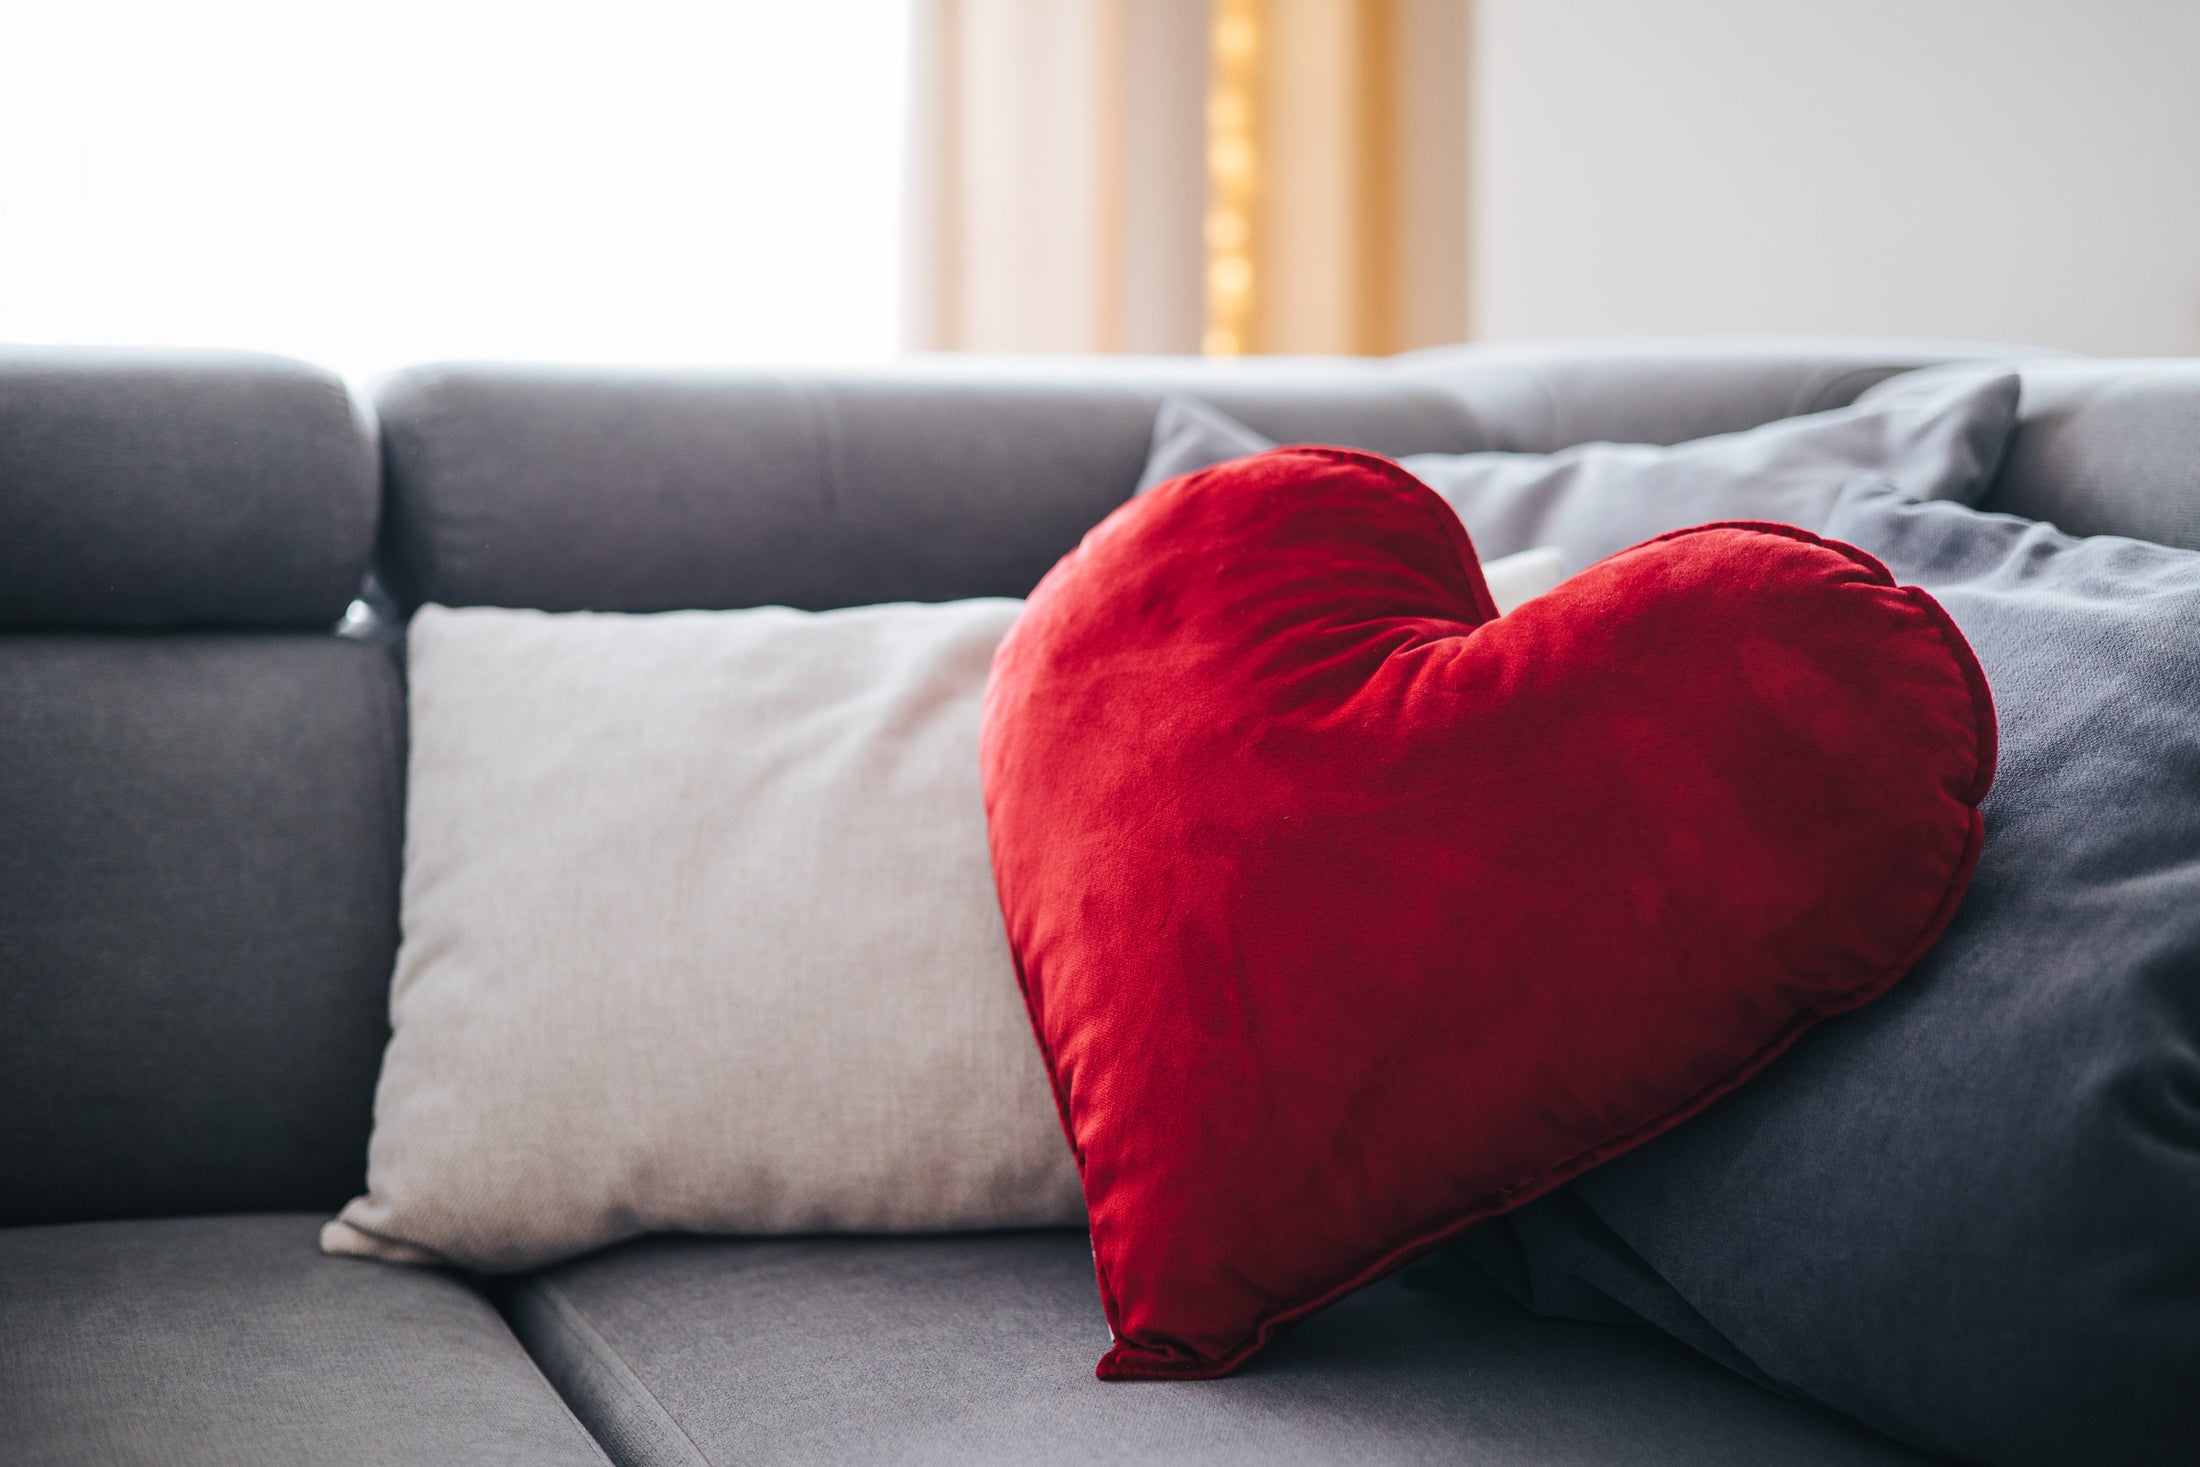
(155, 489)
(1940, 439)
(569, 490)
(229, 1341)
(1970, 1213)
(981, 1350)
(199, 843)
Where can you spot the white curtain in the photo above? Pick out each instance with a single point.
(1056, 176)
(1162, 175)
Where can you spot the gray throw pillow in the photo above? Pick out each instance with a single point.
(1969, 1214)
(1940, 437)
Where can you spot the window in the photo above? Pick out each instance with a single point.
(371, 185)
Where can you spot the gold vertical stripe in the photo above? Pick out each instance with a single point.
(1322, 233)
(1233, 177)
(1375, 201)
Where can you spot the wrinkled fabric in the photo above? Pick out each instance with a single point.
(1934, 435)
(1970, 1214)
(1348, 916)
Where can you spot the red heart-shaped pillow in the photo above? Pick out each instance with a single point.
(1349, 914)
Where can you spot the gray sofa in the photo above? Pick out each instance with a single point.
(201, 796)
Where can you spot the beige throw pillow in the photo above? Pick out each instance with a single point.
(700, 933)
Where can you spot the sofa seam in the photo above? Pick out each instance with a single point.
(607, 1358)
(409, 541)
(573, 1421)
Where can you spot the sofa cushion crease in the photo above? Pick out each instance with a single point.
(978, 1349)
(624, 1415)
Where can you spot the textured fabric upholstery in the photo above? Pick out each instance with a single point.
(1936, 437)
(198, 912)
(980, 1349)
(2108, 448)
(2103, 447)
(700, 935)
(231, 1341)
(1964, 1213)
(154, 489)
(648, 491)
(1539, 397)
(199, 841)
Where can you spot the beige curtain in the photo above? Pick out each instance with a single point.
(1181, 175)
(1056, 175)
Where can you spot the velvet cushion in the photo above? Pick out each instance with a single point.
(1347, 915)
(1970, 1215)
(1940, 436)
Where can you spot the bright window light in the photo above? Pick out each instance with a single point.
(414, 180)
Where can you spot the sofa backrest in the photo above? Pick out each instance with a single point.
(2103, 446)
(2108, 448)
(201, 785)
(200, 788)
(568, 489)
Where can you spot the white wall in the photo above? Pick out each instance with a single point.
(2017, 170)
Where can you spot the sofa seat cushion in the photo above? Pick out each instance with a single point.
(978, 1349)
(235, 1340)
